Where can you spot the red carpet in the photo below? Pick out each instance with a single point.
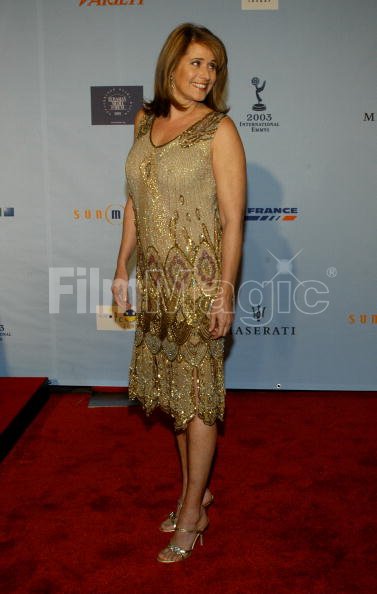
(84, 490)
(21, 399)
(15, 393)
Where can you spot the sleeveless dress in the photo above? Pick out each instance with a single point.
(178, 270)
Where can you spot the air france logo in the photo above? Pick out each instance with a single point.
(281, 214)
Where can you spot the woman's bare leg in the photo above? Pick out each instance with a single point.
(182, 449)
(201, 445)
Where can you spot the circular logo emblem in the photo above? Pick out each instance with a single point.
(117, 103)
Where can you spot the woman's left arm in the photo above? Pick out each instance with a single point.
(229, 167)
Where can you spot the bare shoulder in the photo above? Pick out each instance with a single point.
(227, 137)
(227, 129)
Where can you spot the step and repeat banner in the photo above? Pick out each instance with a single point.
(302, 93)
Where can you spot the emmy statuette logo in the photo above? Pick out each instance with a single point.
(259, 88)
(259, 121)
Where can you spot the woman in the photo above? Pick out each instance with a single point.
(185, 209)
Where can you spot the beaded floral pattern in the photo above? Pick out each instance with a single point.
(176, 364)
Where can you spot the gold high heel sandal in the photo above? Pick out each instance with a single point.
(179, 551)
(173, 516)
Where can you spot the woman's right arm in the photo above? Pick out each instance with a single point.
(128, 241)
(127, 244)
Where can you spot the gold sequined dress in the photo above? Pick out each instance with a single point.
(179, 233)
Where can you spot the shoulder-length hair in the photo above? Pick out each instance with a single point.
(172, 51)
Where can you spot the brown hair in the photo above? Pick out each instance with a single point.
(172, 51)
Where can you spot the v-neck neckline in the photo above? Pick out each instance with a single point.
(178, 135)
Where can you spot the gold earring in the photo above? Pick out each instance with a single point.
(172, 83)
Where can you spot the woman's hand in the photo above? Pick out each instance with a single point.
(119, 289)
(221, 314)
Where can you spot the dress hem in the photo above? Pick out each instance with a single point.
(177, 427)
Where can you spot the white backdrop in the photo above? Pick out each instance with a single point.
(306, 308)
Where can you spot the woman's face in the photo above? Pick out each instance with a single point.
(195, 74)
